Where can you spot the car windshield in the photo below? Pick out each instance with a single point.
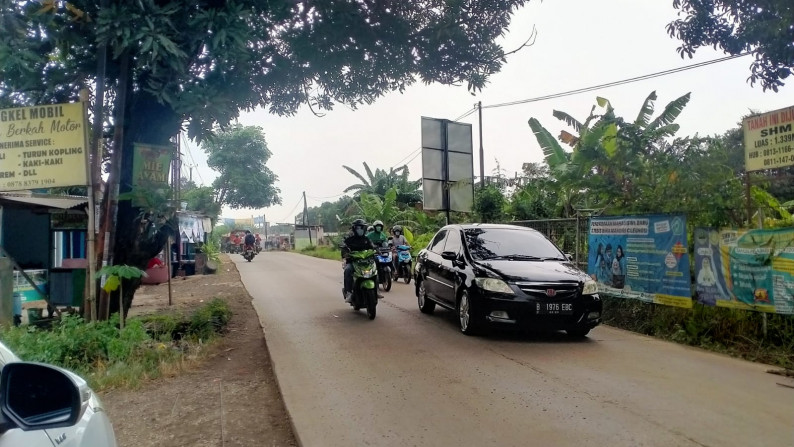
(513, 244)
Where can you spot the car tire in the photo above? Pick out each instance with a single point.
(577, 333)
(467, 315)
(426, 305)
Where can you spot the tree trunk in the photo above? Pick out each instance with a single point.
(139, 235)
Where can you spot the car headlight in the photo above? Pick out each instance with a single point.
(493, 285)
(590, 287)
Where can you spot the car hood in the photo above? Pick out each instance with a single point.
(541, 271)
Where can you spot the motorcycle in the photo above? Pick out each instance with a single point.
(249, 253)
(384, 262)
(404, 263)
(364, 274)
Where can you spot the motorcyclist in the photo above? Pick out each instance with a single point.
(355, 240)
(397, 240)
(249, 238)
(377, 236)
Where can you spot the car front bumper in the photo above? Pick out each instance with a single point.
(523, 312)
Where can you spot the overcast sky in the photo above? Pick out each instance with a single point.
(580, 43)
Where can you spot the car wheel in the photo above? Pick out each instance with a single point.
(467, 316)
(426, 305)
(577, 333)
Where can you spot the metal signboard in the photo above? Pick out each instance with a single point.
(43, 147)
(447, 165)
(769, 140)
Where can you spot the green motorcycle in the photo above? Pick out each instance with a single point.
(365, 273)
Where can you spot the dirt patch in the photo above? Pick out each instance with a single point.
(228, 399)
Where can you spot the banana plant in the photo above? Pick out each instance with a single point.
(116, 274)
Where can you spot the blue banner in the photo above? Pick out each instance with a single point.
(641, 257)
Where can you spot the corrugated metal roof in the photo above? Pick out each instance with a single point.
(60, 202)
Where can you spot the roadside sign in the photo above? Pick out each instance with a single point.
(43, 147)
(447, 165)
(769, 140)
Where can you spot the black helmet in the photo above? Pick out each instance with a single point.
(358, 223)
(247, 232)
(397, 228)
(378, 223)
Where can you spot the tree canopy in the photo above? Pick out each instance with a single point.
(199, 63)
(764, 28)
(239, 155)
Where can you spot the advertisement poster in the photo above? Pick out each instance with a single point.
(769, 140)
(42, 147)
(641, 257)
(745, 269)
(150, 167)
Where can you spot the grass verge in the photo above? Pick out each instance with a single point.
(735, 332)
(322, 252)
(108, 357)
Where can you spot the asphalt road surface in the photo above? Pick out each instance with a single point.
(409, 379)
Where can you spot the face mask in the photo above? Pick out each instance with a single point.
(396, 233)
(360, 231)
(378, 229)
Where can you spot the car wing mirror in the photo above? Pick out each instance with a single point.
(449, 255)
(35, 396)
(569, 256)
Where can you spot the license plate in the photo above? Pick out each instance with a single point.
(554, 308)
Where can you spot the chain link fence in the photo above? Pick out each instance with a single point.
(569, 234)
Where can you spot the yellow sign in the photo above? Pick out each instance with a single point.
(769, 140)
(42, 147)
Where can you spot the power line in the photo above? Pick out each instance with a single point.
(401, 160)
(472, 110)
(327, 197)
(615, 83)
(290, 214)
(195, 165)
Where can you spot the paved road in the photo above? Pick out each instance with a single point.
(408, 379)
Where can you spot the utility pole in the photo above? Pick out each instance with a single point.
(306, 217)
(482, 153)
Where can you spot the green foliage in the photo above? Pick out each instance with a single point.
(421, 242)
(202, 199)
(489, 204)
(106, 355)
(121, 271)
(210, 319)
(736, 332)
(239, 155)
(761, 27)
(380, 182)
(371, 208)
(322, 252)
(206, 61)
(331, 215)
(637, 166)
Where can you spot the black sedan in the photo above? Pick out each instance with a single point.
(505, 275)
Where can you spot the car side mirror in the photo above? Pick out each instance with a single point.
(449, 255)
(35, 396)
(569, 256)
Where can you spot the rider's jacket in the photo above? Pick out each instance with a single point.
(352, 242)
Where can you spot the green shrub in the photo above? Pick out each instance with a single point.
(108, 356)
(421, 242)
(734, 331)
(212, 318)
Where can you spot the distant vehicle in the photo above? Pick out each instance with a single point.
(505, 275)
(46, 406)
